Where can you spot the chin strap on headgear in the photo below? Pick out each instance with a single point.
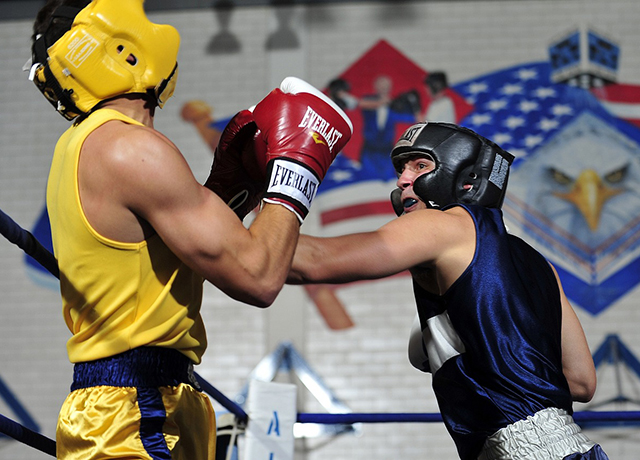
(469, 168)
(110, 49)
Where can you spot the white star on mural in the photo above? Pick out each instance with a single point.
(497, 104)
(480, 119)
(544, 93)
(528, 106)
(547, 124)
(341, 175)
(502, 138)
(532, 141)
(514, 122)
(526, 74)
(478, 87)
(561, 109)
(512, 89)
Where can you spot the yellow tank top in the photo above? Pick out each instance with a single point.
(116, 296)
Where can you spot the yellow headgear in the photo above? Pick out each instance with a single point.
(111, 49)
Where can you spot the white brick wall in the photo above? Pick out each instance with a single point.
(366, 365)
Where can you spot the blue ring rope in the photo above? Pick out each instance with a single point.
(27, 436)
(28, 243)
(232, 407)
(48, 446)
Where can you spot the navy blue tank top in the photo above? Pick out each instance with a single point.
(505, 311)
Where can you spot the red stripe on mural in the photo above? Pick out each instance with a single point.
(355, 211)
(618, 93)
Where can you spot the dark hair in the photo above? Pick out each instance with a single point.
(54, 27)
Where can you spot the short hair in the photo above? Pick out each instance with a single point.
(436, 81)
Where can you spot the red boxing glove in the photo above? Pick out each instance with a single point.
(304, 130)
(235, 176)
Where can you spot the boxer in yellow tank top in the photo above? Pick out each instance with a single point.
(135, 235)
(128, 305)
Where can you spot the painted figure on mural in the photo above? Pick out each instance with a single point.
(135, 235)
(382, 112)
(440, 106)
(200, 115)
(507, 352)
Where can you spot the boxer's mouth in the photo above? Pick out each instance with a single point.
(409, 202)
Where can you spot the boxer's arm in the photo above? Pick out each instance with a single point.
(577, 361)
(419, 238)
(303, 131)
(341, 259)
(156, 183)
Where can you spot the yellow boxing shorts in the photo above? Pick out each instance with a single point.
(142, 404)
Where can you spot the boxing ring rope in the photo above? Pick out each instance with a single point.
(28, 243)
(48, 446)
(583, 417)
(31, 246)
(27, 436)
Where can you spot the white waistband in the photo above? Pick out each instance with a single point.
(550, 434)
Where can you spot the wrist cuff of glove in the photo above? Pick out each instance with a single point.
(291, 184)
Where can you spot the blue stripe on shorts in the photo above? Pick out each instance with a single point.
(153, 416)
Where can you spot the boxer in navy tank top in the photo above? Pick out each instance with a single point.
(507, 352)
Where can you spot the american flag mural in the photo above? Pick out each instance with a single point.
(549, 126)
(561, 136)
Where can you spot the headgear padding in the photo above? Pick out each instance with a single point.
(111, 49)
(469, 169)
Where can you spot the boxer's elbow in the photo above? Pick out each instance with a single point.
(583, 389)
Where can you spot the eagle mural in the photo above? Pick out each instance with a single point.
(585, 182)
(574, 190)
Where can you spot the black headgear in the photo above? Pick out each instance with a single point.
(462, 158)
